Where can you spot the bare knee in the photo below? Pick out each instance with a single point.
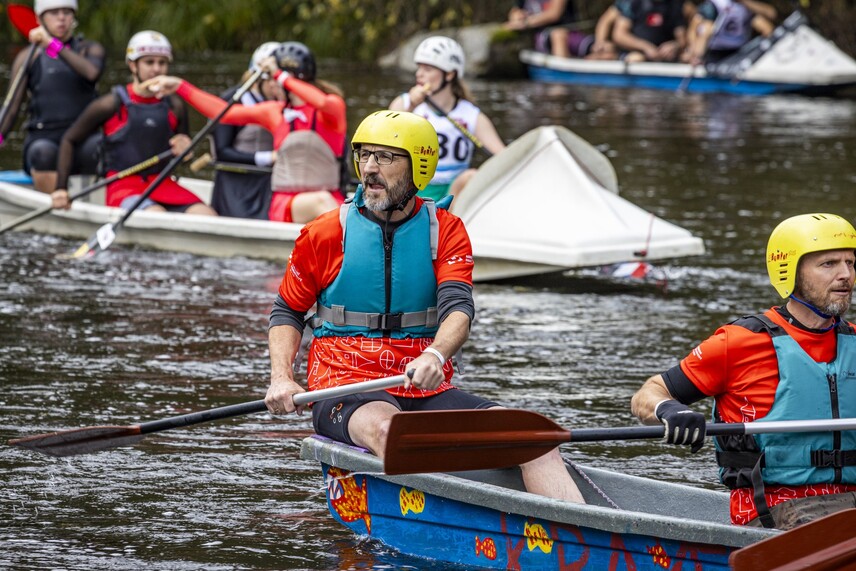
(201, 209)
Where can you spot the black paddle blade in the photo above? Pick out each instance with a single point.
(81, 440)
(456, 440)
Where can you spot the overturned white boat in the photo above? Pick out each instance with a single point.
(550, 203)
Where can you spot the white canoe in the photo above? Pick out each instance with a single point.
(548, 203)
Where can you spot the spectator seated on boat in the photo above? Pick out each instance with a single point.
(439, 81)
(308, 128)
(61, 82)
(136, 126)
(550, 20)
(792, 362)
(377, 317)
(721, 27)
(599, 46)
(244, 154)
(650, 30)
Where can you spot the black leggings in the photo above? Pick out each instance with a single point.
(41, 155)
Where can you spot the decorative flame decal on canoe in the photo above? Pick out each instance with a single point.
(350, 501)
(536, 537)
(659, 556)
(411, 501)
(486, 547)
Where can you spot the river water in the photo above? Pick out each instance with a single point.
(138, 335)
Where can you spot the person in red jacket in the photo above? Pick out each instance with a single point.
(792, 362)
(390, 275)
(308, 132)
(136, 126)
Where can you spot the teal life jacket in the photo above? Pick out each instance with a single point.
(384, 288)
(807, 390)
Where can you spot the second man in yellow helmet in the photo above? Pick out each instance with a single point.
(793, 362)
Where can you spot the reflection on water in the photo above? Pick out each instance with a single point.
(139, 335)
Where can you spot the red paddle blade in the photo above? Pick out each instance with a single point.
(456, 440)
(824, 544)
(81, 440)
(23, 18)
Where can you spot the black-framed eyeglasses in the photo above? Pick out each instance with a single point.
(381, 157)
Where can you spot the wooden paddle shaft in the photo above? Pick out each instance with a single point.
(259, 405)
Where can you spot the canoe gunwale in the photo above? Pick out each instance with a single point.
(499, 498)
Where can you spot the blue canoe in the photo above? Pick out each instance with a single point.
(484, 519)
(795, 59)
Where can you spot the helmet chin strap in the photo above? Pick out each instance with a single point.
(403, 202)
(835, 318)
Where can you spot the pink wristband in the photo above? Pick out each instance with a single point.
(53, 49)
(1, 138)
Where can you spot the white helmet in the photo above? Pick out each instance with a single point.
(43, 6)
(441, 52)
(263, 51)
(148, 43)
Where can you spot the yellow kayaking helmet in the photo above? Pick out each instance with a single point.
(405, 131)
(800, 235)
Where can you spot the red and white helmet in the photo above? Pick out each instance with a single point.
(43, 6)
(148, 43)
(441, 52)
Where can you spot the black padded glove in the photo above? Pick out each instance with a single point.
(683, 426)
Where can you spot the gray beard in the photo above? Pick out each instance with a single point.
(393, 196)
(833, 308)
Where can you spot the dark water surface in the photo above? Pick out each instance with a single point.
(138, 335)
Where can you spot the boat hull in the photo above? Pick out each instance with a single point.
(201, 235)
(478, 520)
(795, 59)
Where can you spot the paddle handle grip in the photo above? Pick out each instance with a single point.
(345, 390)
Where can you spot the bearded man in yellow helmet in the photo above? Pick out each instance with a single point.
(794, 362)
(390, 275)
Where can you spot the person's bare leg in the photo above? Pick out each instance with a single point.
(549, 477)
(559, 42)
(201, 209)
(44, 181)
(369, 425)
(307, 206)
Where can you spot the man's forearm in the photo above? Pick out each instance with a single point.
(283, 343)
(452, 334)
